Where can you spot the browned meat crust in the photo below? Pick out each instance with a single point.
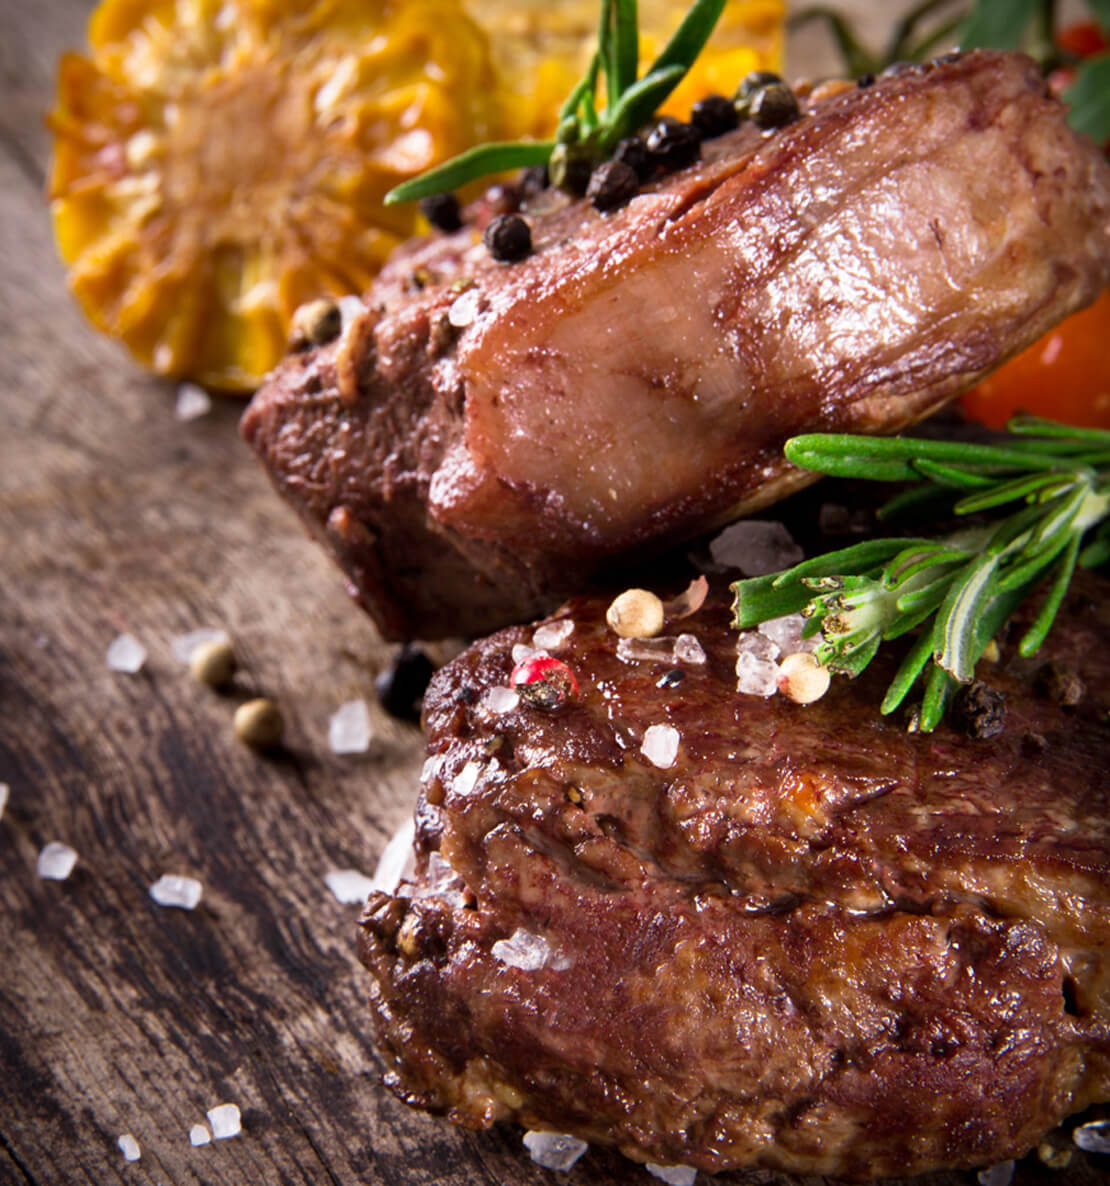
(633, 382)
(817, 942)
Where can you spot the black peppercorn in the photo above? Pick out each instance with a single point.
(400, 688)
(671, 679)
(612, 185)
(865, 80)
(502, 199)
(442, 211)
(774, 106)
(713, 116)
(1060, 682)
(633, 152)
(673, 144)
(756, 81)
(508, 238)
(979, 710)
(570, 168)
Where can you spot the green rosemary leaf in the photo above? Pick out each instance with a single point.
(475, 162)
(585, 86)
(906, 676)
(900, 45)
(925, 596)
(1024, 426)
(626, 47)
(1097, 552)
(857, 558)
(1000, 494)
(913, 617)
(1042, 623)
(939, 687)
(913, 561)
(952, 475)
(758, 600)
(913, 499)
(606, 49)
(637, 103)
(997, 26)
(688, 40)
(953, 634)
(852, 661)
(1022, 573)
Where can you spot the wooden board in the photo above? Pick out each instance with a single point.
(116, 1015)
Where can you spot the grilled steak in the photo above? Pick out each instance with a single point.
(816, 941)
(486, 439)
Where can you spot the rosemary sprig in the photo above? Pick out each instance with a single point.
(957, 590)
(583, 131)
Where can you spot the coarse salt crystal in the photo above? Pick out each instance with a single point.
(56, 861)
(350, 308)
(126, 653)
(687, 649)
(349, 886)
(183, 645)
(192, 402)
(464, 309)
(554, 1150)
(755, 547)
(199, 1135)
(1094, 1136)
(129, 1147)
(660, 745)
(173, 890)
(522, 651)
(674, 1175)
(225, 1120)
(529, 952)
(551, 635)
(997, 1175)
(5, 792)
(499, 699)
(755, 676)
(396, 861)
(650, 650)
(466, 779)
(349, 728)
(786, 633)
(431, 767)
(751, 642)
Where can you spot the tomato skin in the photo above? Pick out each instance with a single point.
(1084, 39)
(1063, 376)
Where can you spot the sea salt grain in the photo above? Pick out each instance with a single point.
(463, 782)
(349, 728)
(997, 1175)
(554, 1150)
(129, 1147)
(499, 699)
(755, 676)
(225, 1121)
(786, 634)
(126, 653)
(173, 890)
(192, 402)
(552, 634)
(349, 886)
(649, 650)
(464, 309)
(396, 860)
(660, 745)
(522, 651)
(529, 952)
(199, 1135)
(1093, 1137)
(755, 547)
(350, 307)
(56, 861)
(751, 642)
(183, 645)
(674, 1175)
(688, 650)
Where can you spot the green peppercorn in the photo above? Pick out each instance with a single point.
(755, 81)
(774, 106)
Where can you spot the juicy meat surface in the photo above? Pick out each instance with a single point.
(485, 440)
(816, 942)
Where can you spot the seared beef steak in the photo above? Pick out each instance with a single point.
(816, 942)
(486, 437)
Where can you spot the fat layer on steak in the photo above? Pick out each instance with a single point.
(485, 440)
(816, 942)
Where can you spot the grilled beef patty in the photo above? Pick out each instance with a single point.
(816, 942)
(486, 438)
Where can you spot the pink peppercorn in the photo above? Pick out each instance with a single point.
(544, 682)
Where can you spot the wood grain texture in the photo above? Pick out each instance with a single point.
(117, 1015)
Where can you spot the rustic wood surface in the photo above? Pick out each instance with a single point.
(117, 1015)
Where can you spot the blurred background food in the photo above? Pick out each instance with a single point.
(219, 162)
